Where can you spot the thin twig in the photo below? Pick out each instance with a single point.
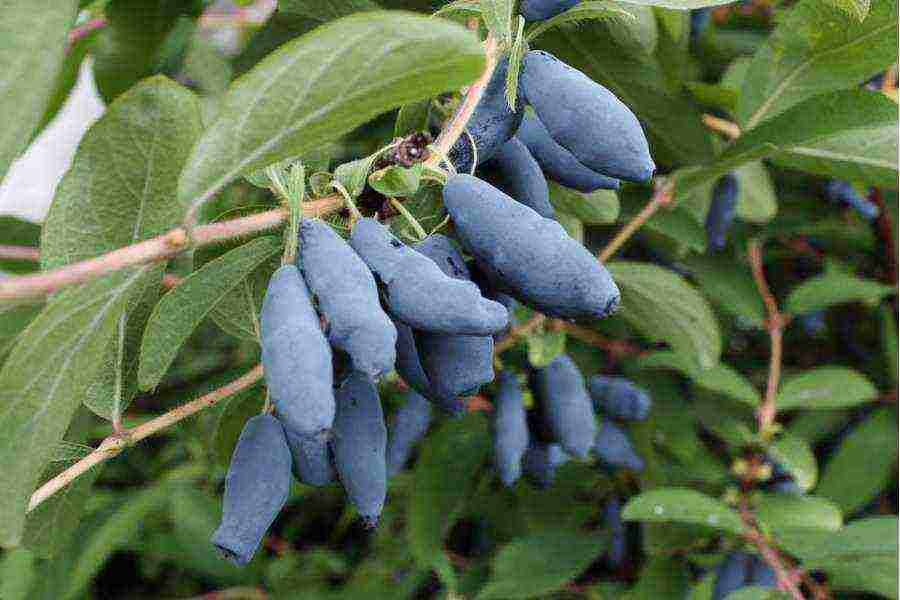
(616, 348)
(83, 30)
(456, 125)
(20, 253)
(155, 249)
(169, 280)
(722, 126)
(770, 555)
(519, 331)
(235, 593)
(116, 443)
(775, 322)
(661, 196)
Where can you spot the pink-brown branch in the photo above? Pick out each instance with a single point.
(662, 196)
(775, 323)
(20, 253)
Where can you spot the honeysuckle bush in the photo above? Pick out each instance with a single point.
(129, 324)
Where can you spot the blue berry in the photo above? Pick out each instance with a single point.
(295, 355)
(526, 255)
(256, 488)
(418, 293)
(541, 460)
(841, 191)
(619, 398)
(541, 10)
(410, 424)
(586, 119)
(559, 164)
(732, 574)
(359, 444)
(510, 429)
(311, 460)
(618, 543)
(347, 298)
(566, 406)
(515, 172)
(409, 366)
(492, 123)
(720, 217)
(614, 449)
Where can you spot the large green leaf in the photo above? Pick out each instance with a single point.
(793, 455)
(793, 511)
(825, 387)
(663, 306)
(324, 84)
(729, 284)
(597, 208)
(532, 567)
(863, 463)
(816, 49)
(719, 378)
(44, 381)
(757, 202)
(323, 11)
(818, 120)
(670, 119)
(33, 37)
(834, 288)
(121, 189)
(183, 307)
(684, 506)
(444, 478)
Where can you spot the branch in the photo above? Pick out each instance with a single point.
(518, 331)
(766, 412)
(616, 348)
(769, 554)
(456, 125)
(76, 33)
(662, 195)
(20, 253)
(235, 593)
(116, 443)
(155, 249)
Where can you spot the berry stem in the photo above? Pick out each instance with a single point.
(661, 196)
(766, 413)
(117, 442)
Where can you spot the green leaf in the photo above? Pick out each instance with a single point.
(825, 387)
(33, 36)
(756, 199)
(888, 342)
(677, 224)
(516, 55)
(395, 180)
(183, 307)
(231, 419)
(670, 119)
(131, 45)
(534, 566)
(849, 113)
(103, 534)
(238, 312)
(876, 575)
(830, 289)
(858, 9)
(790, 511)
(729, 284)
(719, 378)
(120, 190)
(678, 4)
(662, 578)
(863, 463)
(364, 65)
(444, 477)
(683, 506)
(755, 592)
(597, 208)
(816, 49)
(497, 15)
(13, 319)
(544, 346)
(45, 379)
(585, 11)
(323, 10)
(663, 306)
(793, 454)
(413, 117)
(18, 232)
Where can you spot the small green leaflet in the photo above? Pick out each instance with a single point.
(793, 455)
(684, 506)
(720, 378)
(497, 15)
(830, 289)
(825, 387)
(578, 14)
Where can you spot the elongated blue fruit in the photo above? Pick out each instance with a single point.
(559, 164)
(295, 355)
(515, 172)
(614, 449)
(491, 125)
(700, 18)
(418, 293)
(256, 488)
(540, 462)
(732, 574)
(410, 424)
(348, 299)
(566, 405)
(526, 255)
(455, 364)
(762, 575)
(311, 462)
(510, 429)
(619, 398)
(409, 366)
(586, 119)
(842, 191)
(720, 217)
(618, 542)
(541, 10)
(359, 444)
